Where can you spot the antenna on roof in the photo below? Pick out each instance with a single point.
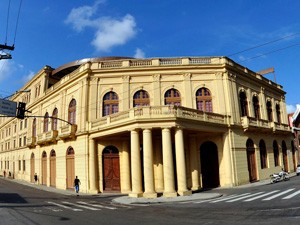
(267, 71)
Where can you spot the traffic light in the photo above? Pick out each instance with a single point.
(21, 110)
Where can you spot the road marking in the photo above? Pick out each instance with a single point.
(260, 196)
(99, 206)
(198, 202)
(64, 206)
(229, 197)
(247, 196)
(279, 194)
(81, 206)
(292, 195)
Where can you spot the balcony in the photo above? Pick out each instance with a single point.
(158, 114)
(31, 142)
(67, 132)
(47, 137)
(250, 123)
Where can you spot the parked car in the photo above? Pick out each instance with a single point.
(298, 170)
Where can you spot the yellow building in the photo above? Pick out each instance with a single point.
(148, 126)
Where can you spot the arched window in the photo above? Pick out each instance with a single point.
(44, 154)
(278, 113)
(256, 107)
(70, 151)
(276, 153)
(141, 98)
(263, 154)
(269, 111)
(34, 128)
(46, 121)
(204, 100)
(172, 97)
(54, 119)
(52, 153)
(244, 104)
(72, 112)
(110, 103)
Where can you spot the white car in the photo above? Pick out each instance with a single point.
(298, 170)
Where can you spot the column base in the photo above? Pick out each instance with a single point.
(184, 193)
(135, 195)
(195, 188)
(150, 195)
(93, 191)
(170, 194)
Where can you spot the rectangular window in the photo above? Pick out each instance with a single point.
(24, 140)
(24, 165)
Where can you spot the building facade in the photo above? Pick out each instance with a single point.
(148, 126)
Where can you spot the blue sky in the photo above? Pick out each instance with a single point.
(57, 32)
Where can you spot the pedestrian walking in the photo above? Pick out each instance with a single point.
(76, 185)
(4, 173)
(35, 178)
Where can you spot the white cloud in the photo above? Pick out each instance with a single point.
(6, 67)
(109, 32)
(139, 53)
(290, 108)
(112, 32)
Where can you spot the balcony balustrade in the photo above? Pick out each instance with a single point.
(159, 113)
(31, 142)
(250, 123)
(47, 137)
(67, 132)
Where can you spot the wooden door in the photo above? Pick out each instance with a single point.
(44, 169)
(53, 169)
(111, 170)
(70, 168)
(32, 168)
(251, 161)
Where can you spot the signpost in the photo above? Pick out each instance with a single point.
(8, 108)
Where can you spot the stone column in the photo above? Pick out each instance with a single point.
(158, 165)
(136, 171)
(148, 165)
(92, 167)
(126, 186)
(194, 164)
(169, 190)
(180, 163)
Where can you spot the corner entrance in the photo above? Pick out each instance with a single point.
(111, 169)
(209, 165)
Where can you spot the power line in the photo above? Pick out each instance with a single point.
(266, 43)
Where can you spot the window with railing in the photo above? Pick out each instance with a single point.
(269, 111)
(54, 119)
(204, 100)
(172, 97)
(256, 107)
(141, 98)
(243, 103)
(72, 112)
(46, 121)
(34, 128)
(278, 114)
(110, 103)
